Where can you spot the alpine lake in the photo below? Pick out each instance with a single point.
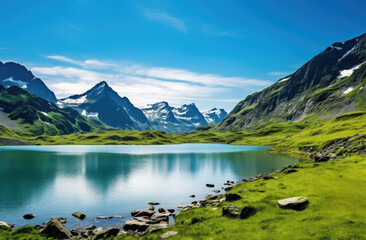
(112, 180)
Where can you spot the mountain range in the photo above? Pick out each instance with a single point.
(14, 74)
(100, 103)
(330, 84)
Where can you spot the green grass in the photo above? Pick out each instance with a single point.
(335, 189)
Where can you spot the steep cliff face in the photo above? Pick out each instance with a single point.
(331, 83)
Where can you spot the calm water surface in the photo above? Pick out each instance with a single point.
(113, 180)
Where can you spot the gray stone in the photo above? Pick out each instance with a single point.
(97, 230)
(295, 203)
(55, 229)
(160, 217)
(168, 234)
(135, 225)
(5, 226)
(104, 217)
(91, 227)
(156, 227)
(231, 211)
(110, 232)
(142, 213)
(63, 220)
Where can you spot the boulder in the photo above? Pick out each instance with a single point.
(231, 211)
(156, 227)
(267, 177)
(5, 226)
(228, 188)
(168, 234)
(247, 212)
(151, 208)
(171, 210)
(192, 196)
(288, 171)
(153, 203)
(232, 197)
(63, 220)
(104, 217)
(91, 227)
(160, 217)
(135, 225)
(118, 216)
(295, 203)
(79, 215)
(55, 229)
(142, 213)
(210, 185)
(216, 191)
(110, 232)
(97, 230)
(29, 216)
(163, 210)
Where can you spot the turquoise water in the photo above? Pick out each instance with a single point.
(113, 180)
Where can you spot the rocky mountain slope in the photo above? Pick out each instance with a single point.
(214, 115)
(38, 116)
(14, 74)
(102, 103)
(174, 119)
(330, 84)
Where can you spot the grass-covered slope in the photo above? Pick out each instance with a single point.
(36, 116)
(335, 188)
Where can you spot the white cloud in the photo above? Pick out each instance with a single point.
(166, 19)
(278, 73)
(142, 85)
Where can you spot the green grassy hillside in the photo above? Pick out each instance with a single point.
(337, 209)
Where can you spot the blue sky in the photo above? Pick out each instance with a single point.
(212, 53)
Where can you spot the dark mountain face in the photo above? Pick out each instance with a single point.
(39, 116)
(103, 103)
(214, 115)
(14, 74)
(328, 85)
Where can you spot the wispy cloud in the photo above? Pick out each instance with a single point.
(141, 84)
(278, 73)
(165, 19)
(216, 31)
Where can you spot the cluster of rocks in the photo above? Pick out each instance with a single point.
(338, 147)
(146, 221)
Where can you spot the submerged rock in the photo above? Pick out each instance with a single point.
(192, 196)
(210, 185)
(29, 216)
(104, 217)
(153, 203)
(295, 203)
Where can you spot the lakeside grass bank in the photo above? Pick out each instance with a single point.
(335, 188)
